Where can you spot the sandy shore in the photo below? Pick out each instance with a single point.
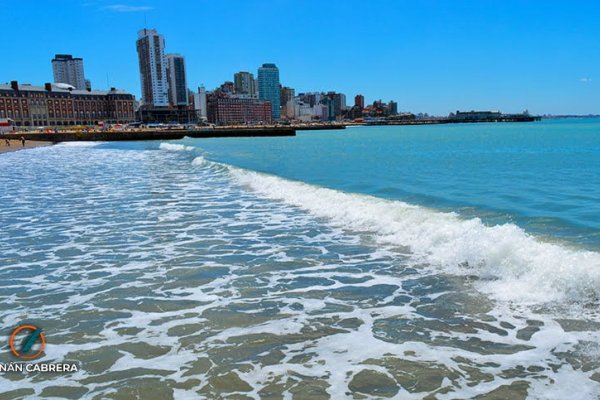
(16, 145)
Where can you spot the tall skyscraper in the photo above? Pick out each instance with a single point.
(245, 84)
(176, 79)
(67, 69)
(153, 68)
(268, 87)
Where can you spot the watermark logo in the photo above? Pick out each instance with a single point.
(27, 342)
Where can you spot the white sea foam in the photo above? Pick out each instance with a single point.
(79, 144)
(199, 161)
(513, 264)
(199, 270)
(175, 147)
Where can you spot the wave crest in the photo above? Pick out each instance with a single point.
(199, 161)
(513, 264)
(175, 147)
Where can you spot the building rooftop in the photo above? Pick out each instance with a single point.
(65, 57)
(25, 87)
(146, 32)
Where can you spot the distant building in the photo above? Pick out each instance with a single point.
(176, 79)
(245, 84)
(392, 107)
(311, 99)
(359, 101)
(61, 105)
(200, 103)
(379, 109)
(233, 110)
(301, 111)
(268, 88)
(405, 116)
(67, 69)
(476, 116)
(355, 112)
(286, 95)
(322, 112)
(329, 109)
(339, 103)
(227, 88)
(153, 68)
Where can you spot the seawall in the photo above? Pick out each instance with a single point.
(149, 134)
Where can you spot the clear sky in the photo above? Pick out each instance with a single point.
(429, 56)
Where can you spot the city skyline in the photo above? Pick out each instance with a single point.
(466, 56)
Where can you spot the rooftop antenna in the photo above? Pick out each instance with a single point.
(107, 81)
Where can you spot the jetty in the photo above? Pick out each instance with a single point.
(96, 135)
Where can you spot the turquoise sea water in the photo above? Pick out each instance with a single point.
(452, 262)
(544, 176)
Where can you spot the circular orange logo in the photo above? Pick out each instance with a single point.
(34, 335)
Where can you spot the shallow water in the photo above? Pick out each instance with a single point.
(274, 269)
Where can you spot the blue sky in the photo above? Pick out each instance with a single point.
(429, 56)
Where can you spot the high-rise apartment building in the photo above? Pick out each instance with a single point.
(67, 69)
(359, 101)
(245, 84)
(286, 94)
(392, 108)
(153, 68)
(268, 88)
(176, 79)
(339, 102)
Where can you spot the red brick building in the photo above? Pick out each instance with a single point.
(232, 110)
(60, 105)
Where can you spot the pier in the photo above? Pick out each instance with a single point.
(151, 134)
(166, 134)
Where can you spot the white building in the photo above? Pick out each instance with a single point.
(67, 69)
(176, 79)
(302, 111)
(7, 125)
(200, 103)
(153, 68)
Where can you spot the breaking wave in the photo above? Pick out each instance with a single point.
(175, 147)
(79, 144)
(510, 263)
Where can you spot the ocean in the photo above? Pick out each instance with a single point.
(445, 261)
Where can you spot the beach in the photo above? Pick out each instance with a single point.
(16, 145)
